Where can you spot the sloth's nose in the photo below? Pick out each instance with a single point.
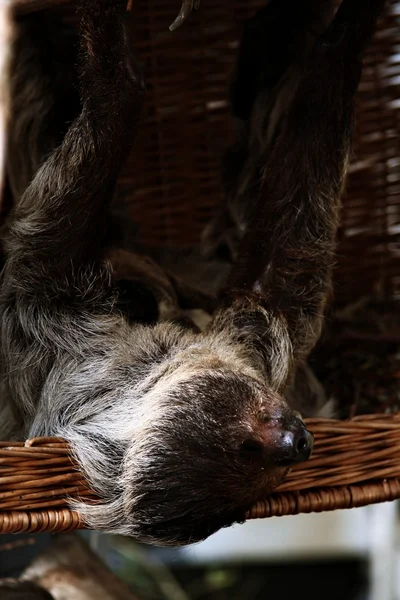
(295, 445)
(280, 445)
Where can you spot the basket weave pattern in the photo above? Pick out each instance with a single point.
(171, 184)
(354, 463)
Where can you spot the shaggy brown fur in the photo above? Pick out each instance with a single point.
(178, 431)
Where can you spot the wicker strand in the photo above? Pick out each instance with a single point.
(325, 499)
(39, 521)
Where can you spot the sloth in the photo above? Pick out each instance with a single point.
(178, 429)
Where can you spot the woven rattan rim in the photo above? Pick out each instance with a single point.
(354, 463)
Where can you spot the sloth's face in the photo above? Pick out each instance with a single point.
(219, 442)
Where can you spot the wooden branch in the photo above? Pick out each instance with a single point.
(70, 571)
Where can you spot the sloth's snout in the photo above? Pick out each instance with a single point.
(294, 446)
(282, 444)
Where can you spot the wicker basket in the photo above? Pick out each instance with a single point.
(354, 463)
(171, 186)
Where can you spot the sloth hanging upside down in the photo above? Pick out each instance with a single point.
(179, 431)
